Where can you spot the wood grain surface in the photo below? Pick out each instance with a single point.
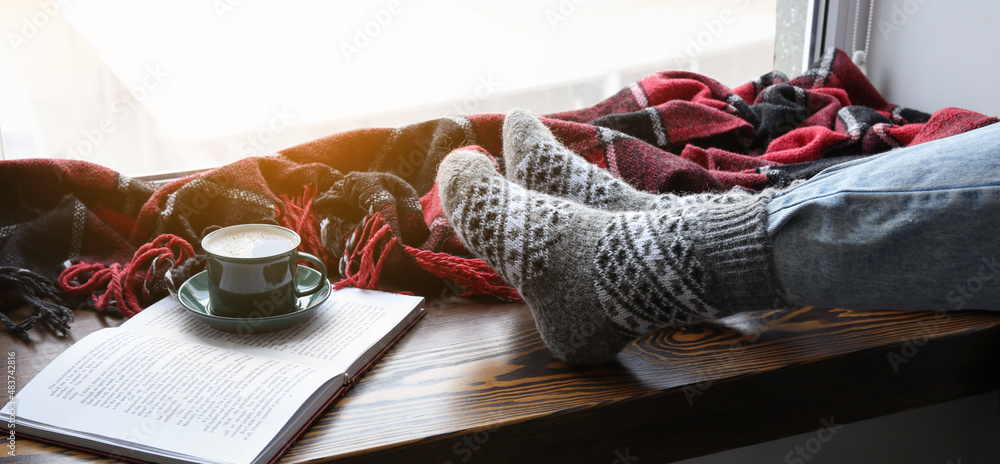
(472, 382)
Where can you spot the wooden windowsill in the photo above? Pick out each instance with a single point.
(473, 379)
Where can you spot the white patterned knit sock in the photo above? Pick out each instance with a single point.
(595, 279)
(536, 160)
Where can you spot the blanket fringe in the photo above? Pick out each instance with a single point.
(473, 275)
(369, 269)
(122, 284)
(47, 303)
(298, 215)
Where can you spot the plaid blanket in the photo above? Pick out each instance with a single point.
(365, 201)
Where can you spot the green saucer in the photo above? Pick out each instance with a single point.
(193, 295)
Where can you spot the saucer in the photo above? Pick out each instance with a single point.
(193, 295)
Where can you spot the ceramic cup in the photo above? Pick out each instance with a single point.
(251, 270)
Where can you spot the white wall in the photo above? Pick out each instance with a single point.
(932, 54)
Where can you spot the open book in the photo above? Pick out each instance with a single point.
(165, 387)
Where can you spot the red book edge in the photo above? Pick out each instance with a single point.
(339, 393)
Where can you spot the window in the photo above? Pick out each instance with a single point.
(148, 87)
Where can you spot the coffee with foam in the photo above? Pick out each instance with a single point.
(251, 243)
(252, 271)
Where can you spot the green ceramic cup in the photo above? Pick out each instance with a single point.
(252, 270)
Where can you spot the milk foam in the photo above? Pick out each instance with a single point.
(251, 244)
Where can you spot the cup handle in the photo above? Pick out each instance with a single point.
(322, 269)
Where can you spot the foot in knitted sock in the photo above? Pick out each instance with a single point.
(537, 161)
(593, 279)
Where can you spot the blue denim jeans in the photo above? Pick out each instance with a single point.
(912, 229)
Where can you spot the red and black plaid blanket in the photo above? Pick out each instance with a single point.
(365, 200)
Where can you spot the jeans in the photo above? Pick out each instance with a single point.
(912, 229)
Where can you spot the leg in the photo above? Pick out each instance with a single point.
(911, 229)
(595, 279)
(905, 230)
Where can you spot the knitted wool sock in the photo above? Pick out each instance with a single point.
(594, 279)
(536, 160)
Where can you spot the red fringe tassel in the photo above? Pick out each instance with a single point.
(297, 215)
(122, 284)
(369, 269)
(474, 275)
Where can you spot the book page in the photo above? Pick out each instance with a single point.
(168, 394)
(343, 328)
